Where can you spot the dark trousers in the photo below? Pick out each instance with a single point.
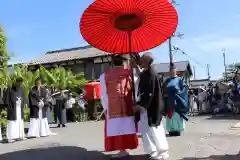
(70, 115)
(92, 110)
(55, 114)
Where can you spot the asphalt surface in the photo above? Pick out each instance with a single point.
(205, 138)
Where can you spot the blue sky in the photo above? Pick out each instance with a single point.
(35, 27)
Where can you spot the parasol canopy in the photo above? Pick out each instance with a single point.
(124, 26)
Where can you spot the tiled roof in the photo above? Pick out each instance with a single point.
(180, 66)
(68, 54)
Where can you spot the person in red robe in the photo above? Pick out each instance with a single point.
(116, 99)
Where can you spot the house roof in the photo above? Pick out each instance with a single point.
(200, 80)
(68, 54)
(180, 66)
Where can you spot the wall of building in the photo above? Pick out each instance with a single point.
(92, 68)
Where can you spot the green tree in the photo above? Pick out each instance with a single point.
(28, 77)
(60, 77)
(5, 78)
(3, 49)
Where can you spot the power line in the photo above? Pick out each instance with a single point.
(184, 53)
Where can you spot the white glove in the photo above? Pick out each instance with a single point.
(40, 104)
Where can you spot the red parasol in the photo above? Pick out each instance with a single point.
(128, 26)
(125, 26)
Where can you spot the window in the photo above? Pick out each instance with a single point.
(97, 70)
(106, 66)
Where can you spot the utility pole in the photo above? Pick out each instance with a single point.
(194, 73)
(208, 71)
(225, 67)
(170, 39)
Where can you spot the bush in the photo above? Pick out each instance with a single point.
(80, 114)
(3, 120)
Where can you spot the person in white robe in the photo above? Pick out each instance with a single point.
(202, 99)
(1, 107)
(192, 102)
(15, 102)
(38, 104)
(116, 99)
(151, 105)
(0, 132)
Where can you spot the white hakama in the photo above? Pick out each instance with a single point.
(15, 128)
(38, 127)
(154, 138)
(0, 131)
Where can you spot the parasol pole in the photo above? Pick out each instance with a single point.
(170, 50)
(132, 75)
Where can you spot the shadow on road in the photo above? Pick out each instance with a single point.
(217, 157)
(62, 153)
(225, 117)
(55, 153)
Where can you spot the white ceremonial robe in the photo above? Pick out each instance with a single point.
(38, 127)
(154, 138)
(0, 131)
(114, 125)
(15, 129)
(193, 104)
(136, 81)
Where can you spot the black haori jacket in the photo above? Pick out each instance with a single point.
(34, 97)
(10, 102)
(151, 96)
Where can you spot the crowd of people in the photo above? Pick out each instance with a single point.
(209, 99)
(145, 112)
(41, 105)
(140, 102)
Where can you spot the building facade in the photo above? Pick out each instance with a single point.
(88, 60)
(183, 70)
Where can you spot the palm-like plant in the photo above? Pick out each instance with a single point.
(28, 77)
(61, 78)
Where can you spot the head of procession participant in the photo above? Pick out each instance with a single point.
(18, 82)
(118, 61)
(146, 60)
(38, 82)
(173, 70)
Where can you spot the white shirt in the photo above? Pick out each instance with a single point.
(70, 102)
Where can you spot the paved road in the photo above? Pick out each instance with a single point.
(204, 139)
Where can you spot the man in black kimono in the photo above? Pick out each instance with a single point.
(15, 101)
(151, 107)
(38, 104)
(61, 109)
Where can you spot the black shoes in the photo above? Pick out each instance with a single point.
(63, 125)
(174, 134)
